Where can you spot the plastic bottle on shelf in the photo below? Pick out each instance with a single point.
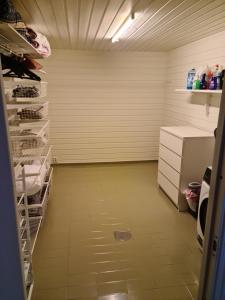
(212, 84)
(190, 78)
(213, 79)
(196, 83)
(203, 82)
(202, 77)
(218, 75)
(209, 75)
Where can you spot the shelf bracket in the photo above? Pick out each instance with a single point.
(208, 104)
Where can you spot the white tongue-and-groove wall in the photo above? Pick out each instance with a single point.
(105, 106)
(184, 108)
(109, 106)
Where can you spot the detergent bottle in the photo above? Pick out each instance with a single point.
(190, 78)
(196, 83)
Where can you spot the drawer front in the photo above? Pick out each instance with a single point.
(172, 175)
(168, 188)
(171, 142)
(170, 157)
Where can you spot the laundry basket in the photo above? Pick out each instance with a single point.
(192, 194)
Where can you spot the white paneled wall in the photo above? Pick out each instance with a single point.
(105, 106)
(108, 106)
(186, 109)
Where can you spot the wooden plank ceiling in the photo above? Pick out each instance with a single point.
(90, 24)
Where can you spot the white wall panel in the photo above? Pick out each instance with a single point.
(184, 108)
(105, 106)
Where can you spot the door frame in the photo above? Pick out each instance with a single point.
(12, 285)
(211, 285)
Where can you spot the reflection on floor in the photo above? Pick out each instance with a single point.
(77, 256)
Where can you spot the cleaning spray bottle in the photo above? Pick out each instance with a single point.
(213, 79)
(209, 75)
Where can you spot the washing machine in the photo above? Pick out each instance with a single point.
(203, 204)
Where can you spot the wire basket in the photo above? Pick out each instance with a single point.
(35, 112)
(20, 148)
(25, 92)
(26, 142)
(34, 224)
(36, 199)
(20, 88)
(40, 201)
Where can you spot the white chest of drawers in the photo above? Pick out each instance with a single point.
(184, 154)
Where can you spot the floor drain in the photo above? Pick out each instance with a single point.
(122, 235)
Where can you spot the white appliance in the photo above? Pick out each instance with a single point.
(203, 204)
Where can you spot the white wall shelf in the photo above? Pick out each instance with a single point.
(199, 91)
(208, 93)
(11, 40)
(16, 105)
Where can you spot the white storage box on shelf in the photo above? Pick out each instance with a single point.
(20, 90)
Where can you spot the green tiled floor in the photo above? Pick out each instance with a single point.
(77, 257)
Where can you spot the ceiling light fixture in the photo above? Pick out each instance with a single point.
(123, 28)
